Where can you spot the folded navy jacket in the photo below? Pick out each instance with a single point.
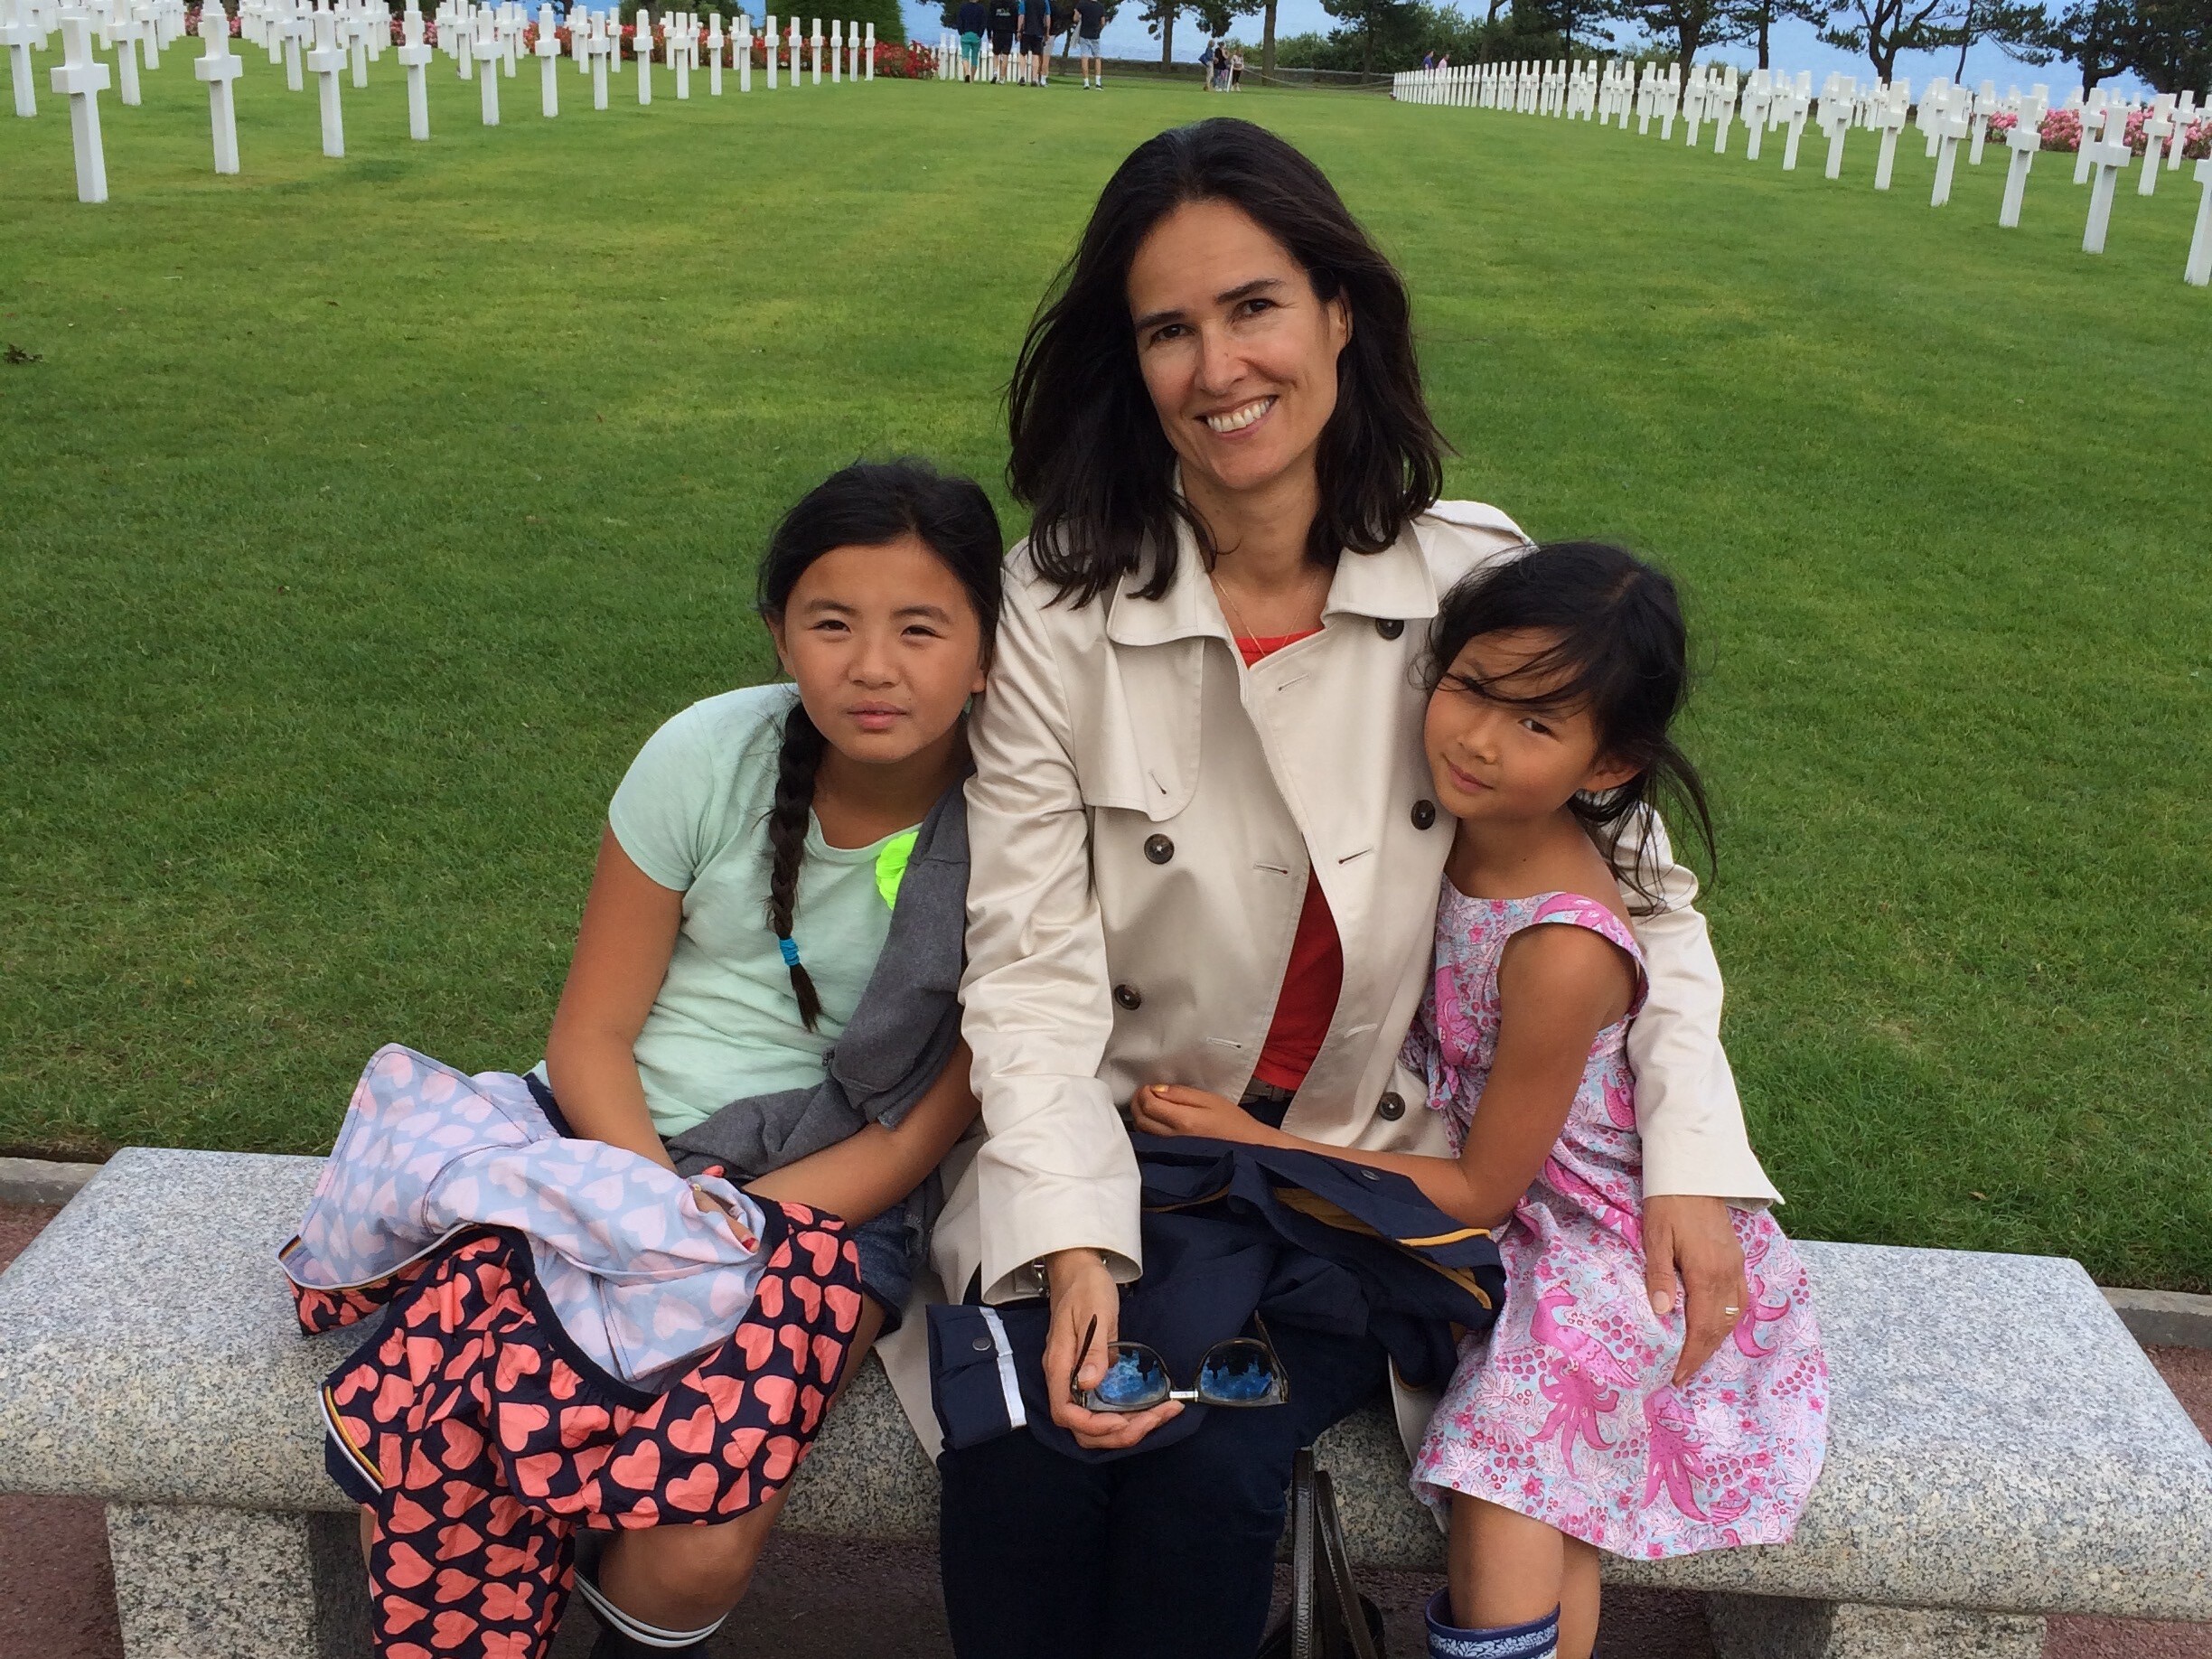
(1231, 1231)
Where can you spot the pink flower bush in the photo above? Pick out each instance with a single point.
(2062, 130)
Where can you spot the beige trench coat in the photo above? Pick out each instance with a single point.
(1142, 818)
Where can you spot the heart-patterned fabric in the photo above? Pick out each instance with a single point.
(481, 1436)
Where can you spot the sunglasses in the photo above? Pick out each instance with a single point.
(1244, 1370)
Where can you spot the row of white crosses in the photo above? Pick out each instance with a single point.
(1947, 116)
(330, 38)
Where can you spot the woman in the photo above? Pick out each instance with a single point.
(1205, 852)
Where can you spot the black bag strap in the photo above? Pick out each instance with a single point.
(1350, 1609)
(1305, 1559)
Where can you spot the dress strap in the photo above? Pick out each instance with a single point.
(1577, 910)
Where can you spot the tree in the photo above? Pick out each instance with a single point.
(1366, 20)
(2169, 43)
(1750, 23)
(2091, 35)
(1883, 28)
(2010, 23)
(1691, 25)
(1159, 16)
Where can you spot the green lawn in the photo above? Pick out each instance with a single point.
(362, 516)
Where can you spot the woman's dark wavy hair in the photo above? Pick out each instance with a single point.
(869, 504)
(1620, 651)
(1089, 457)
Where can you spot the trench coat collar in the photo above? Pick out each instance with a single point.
(1394, 585)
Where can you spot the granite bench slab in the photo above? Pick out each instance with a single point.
(2000, 1448)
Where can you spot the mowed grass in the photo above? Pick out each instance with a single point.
(362, 516)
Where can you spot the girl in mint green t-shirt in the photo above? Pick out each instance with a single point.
(742, 898)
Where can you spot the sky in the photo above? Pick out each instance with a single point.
(1795, 47)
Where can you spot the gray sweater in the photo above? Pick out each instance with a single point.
(896, 1045)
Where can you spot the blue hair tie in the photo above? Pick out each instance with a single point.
(790, 951)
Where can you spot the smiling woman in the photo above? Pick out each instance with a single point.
(1206, 855)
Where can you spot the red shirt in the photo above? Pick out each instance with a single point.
(1315, 976)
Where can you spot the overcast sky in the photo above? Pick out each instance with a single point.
(1794, 48)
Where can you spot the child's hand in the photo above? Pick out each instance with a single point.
(1170, 1108)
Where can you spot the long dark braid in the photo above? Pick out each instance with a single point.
(797, 761)
(870, 503)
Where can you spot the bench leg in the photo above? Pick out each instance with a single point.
(1781, 1627)
(198, 1583)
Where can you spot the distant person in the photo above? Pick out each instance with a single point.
(974, 19)
(1428, 60)
(1236, 70)
(1002, 15)
(1036, 34)
(1089, 23)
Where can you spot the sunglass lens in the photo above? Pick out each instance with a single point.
(1237, 1371)
(1134, 1380)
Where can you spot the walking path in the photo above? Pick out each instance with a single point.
(835, 1599)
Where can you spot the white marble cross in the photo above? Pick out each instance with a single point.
(218, 65)
(16, 34)
(485, 48)
(790, 61)
(123, 29)
(414, 59)
(837, 51)
(82, 78)
(675, 55)
(641, 53)
(548, 52)
(1986, 103)
(775, 45)
(1798, 105)
(741, 48)
(2110, 156)
(1951, 128)
(2199, 273)
(1891, 121)
(815, 50)
(326, 62)
(357, 45)
(2184, 114)
(717, 42)
(2092, 121)
(2157, 129)
(147, 29)
(2024, 140)
(1759, 99)
(1835, 120)
(598, 46)
(1723, 109)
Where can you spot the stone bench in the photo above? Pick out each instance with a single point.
(2001, 1448)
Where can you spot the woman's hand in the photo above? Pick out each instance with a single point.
(1082, 1290)
(1170, 1108)
(1694, 1238)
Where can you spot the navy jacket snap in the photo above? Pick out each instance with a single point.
(1232, 1231)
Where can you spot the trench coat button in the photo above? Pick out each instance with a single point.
(1128, 996)
(1388, 627)
(1391, 1107)
(981, 1345)
(1424, 814)
(1158, 849)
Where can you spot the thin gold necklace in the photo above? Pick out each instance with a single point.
(1242, 629)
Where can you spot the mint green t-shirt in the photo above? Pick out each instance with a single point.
(693, 813)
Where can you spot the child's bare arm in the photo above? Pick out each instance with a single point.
(867, 1173)
(622, 955)
(1557, 987)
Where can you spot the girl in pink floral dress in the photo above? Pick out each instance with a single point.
(1566, 1432)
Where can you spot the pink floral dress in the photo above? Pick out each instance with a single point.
(1565, 1412)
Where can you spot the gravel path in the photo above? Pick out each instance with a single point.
(824, 1598)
